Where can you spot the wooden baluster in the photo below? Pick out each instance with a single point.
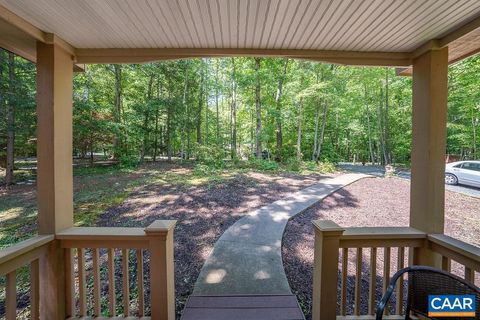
(343, 305)
(358, 281)
(69, 283)
(469, 274)
(11, 296)
(386, 273)
(445, 264)
(373, 281)
(81, 282)
(34, 290)
(141, 299)
(97, 307)
(126, 288)
(401, 264)
(112, 306)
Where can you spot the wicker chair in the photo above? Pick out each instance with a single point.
(424, 281)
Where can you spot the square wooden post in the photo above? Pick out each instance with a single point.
(162, 276)
(54, 173)
(429, 119)
(325, 272)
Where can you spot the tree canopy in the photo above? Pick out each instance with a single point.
(268, 108)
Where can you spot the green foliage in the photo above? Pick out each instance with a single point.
(129, 161)
(184, 108)
(211, 155)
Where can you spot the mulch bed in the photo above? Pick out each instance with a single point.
(203, 212)
(367, 202)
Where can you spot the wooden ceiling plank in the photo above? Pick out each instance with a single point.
(343, 23)
(376, 11)
(432, 22)
(293, 20)
(318, 25)
(304, 22)
(264, 13)
(158, 34)
(403, 20)
(272, 20)
(242, 22)
(172, 22)
(284, 9)
(375, 26)
(451, 25)
(428, 14)
(392, 19)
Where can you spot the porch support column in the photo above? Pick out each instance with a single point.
(54, 174)
(427, 191)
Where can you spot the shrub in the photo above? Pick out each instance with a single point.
(210, 155)
(128, 161)
(293, 164)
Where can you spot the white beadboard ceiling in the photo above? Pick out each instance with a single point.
(354, 25)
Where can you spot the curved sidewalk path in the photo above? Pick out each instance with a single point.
(247, 259)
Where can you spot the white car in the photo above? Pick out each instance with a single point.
(463, 172)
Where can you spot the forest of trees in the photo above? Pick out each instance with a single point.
(240, 108)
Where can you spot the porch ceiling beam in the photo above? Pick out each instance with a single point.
(148, 54)
(22, 24)
(459, 32)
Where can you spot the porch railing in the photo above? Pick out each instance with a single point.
(364, 260)
(95, 250)
(27, 253)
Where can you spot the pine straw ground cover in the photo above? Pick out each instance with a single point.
(204, 202)
(367, 202)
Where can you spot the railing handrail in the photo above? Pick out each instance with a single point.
(381, 233)
(100, 233)
(20, 250)
(455, 249)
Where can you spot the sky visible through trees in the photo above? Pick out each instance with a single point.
(242, 108)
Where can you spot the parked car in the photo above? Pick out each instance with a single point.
(463, 172)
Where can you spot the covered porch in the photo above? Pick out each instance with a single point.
(418, 37)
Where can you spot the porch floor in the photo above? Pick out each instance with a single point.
(242, 307)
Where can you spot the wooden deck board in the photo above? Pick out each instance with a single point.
(242, 307)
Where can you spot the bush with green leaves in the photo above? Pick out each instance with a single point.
(211, 155)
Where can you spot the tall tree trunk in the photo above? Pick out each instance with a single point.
(3, 111)
(10, 120)
(206, 102)
(370, 147)
(385, 121)
(217, 135)
(169, 124)
(318, 151)
(157, 114)
(258, 110)
(200, 104)
(278, 115)
(315, 134)
(233, 147)
(117, 110)
(185, 116)
(381, 136)
(146, 117)
(299, 131)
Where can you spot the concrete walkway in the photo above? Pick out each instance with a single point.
(247, 259)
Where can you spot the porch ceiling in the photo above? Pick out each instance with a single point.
(311, 26)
